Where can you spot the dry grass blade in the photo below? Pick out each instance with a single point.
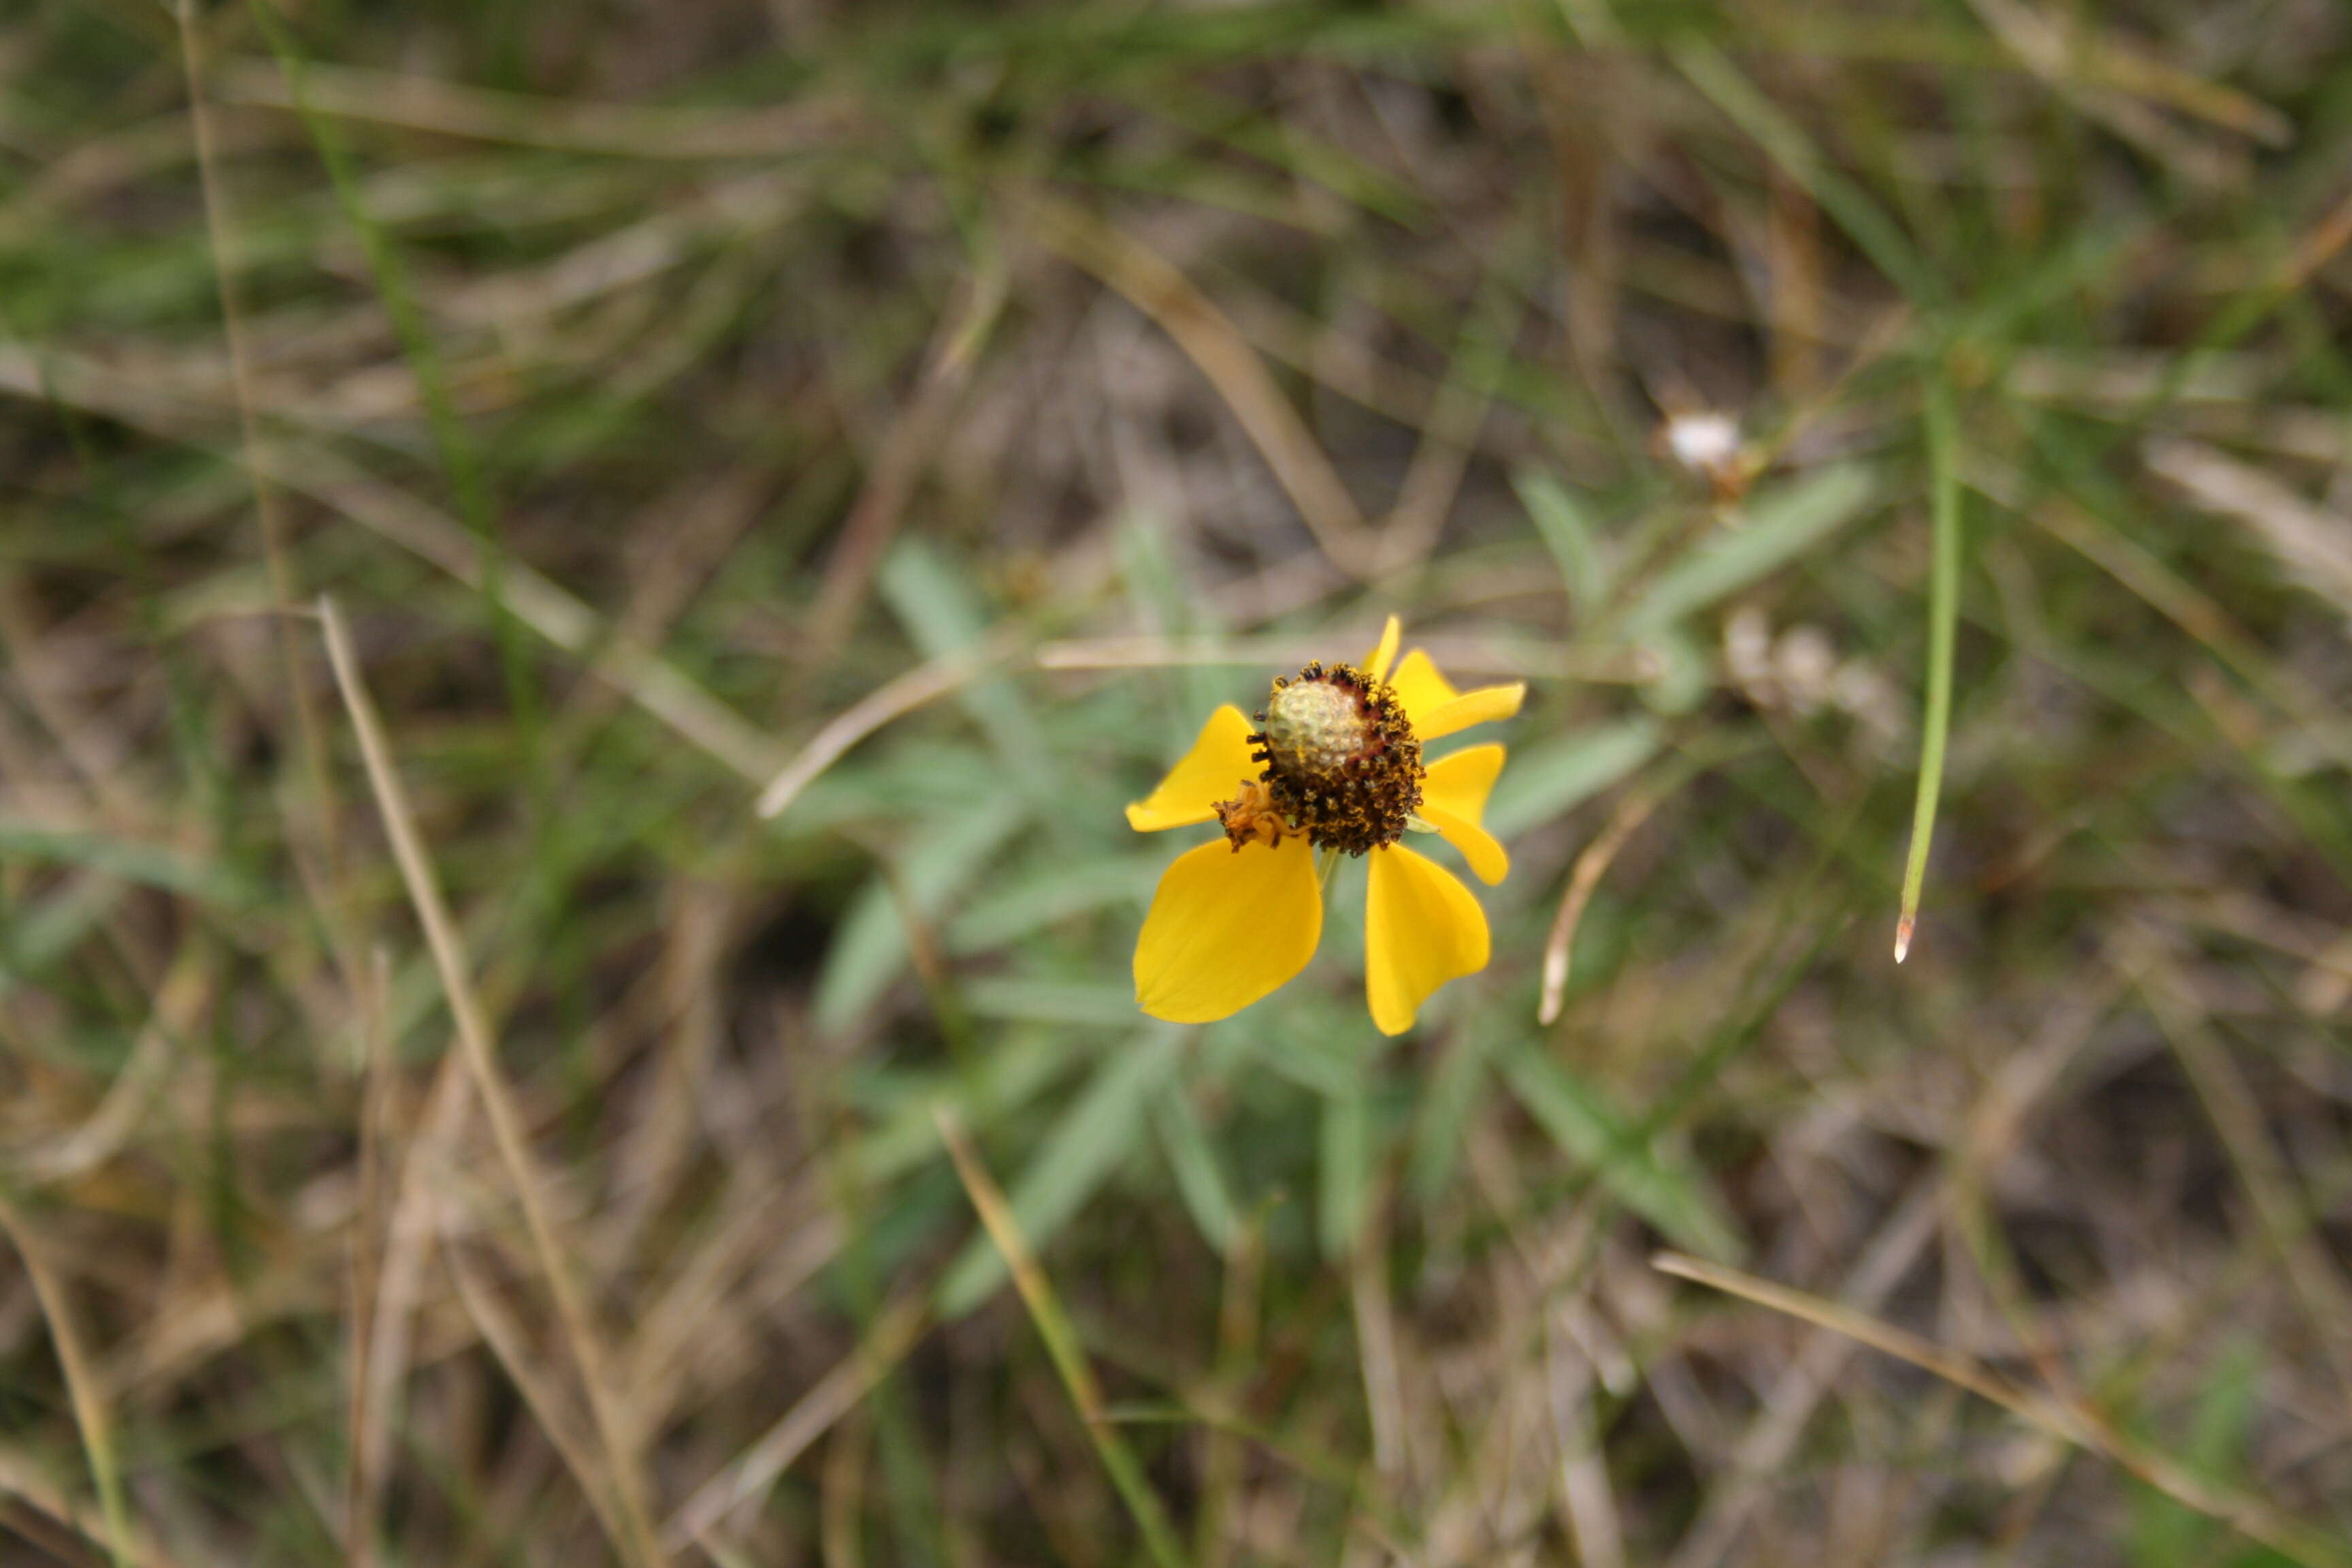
(925, 683)
(325, 476)
(2057, 59)
(1440, 462)
(73, 736)
(1375, 1345)
(2316, 250)
(2127, 561)
(268, 505)
(25, 1480)
(893, 1335)
(654, 683)
(1769, 1440)
(2280, 1205)
(365, 1259)
(1155, 287)
(1591, 867)
(400, 1283)
(556, 1416)
(1061, 1343)
(1588, 1502)
(506, 1122)
(89, 1410)
(910, 443)
(2252, 1518)
(2314, 545)
(622, 130)
(186, 992)
(2176, 599)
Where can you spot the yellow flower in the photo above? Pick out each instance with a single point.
(1332, 766)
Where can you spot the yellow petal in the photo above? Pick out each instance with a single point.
(1376, 663)
(1421, 929)
(1454, 801)
(1214, 770)
(1482, 705)
(1420, 687)
(1226, 927)
(1435, 710)
(1461, 783)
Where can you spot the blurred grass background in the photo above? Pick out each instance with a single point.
(495, 1142)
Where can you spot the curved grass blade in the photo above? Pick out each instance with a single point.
(1062, 1345)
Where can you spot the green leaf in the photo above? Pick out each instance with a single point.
(1085, 1003)
(1572, 536)
(1446, 1106)
(1314, 1038)
(935, 604)
(1167, 604)
(1099, 1130)
(1591, 1134)
(35, 936)
(1343, 1168)
(1774, 529)
(1057, 890)
(1683, 675)
(1199, 1178)
(1018, 1066)
(869, 951)
(2168, 1534)
(148, 864)
(1541, 782)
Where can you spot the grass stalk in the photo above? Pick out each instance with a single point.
(639, 1543)
(459, 462)
(1943, 631)
(2069, 1422)
(1061, 1344)
(830, 1400)
(88, 1408)
(268, 503)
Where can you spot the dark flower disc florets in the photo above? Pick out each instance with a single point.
(1342, 764)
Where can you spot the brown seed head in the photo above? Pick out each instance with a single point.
(1342, 764)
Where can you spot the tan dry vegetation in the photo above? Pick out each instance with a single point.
(580, 592)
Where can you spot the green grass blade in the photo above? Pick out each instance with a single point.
(1865, 221)
(459, 462)
(1062, 1345)
(1943, 629)
(1106, 1124)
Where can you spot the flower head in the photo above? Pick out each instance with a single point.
(1332, 765)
